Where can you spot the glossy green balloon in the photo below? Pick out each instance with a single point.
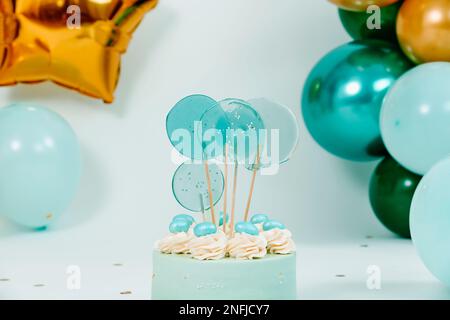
(391, 191)
(40, 165)
(343, 95)
(359, 25)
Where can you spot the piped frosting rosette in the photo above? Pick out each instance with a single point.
(181, 234)
(208, 242)
(279, 239)
(247, 243)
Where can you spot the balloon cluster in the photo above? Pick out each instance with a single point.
(386, 95)
(228, 131)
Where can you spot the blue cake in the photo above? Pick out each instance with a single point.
(250, 260)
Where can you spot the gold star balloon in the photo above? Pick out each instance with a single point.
(74, 43)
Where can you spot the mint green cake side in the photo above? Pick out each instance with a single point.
(179, 277)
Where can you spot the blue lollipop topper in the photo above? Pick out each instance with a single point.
(182, 122)
(233, 122)
(259, 218)
(221, 218)
(190, 187)
(178, 226)
(281, 135)
(246, 227)
(184, 217)
(205, 229)
(273, 224)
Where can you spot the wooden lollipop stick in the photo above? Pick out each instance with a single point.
(252, 186)
(202, 206)
(225, 192)
(233, 196)
(210, 195)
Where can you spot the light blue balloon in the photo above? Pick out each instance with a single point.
(430, 220)
(415, 118)
(40, 165)
(343, 95)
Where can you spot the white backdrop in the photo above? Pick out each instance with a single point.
(232, 48)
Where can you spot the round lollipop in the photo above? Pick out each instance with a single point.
(281, 134)
(190, 186)
(235, 123)
(181, 124)
(236, 127)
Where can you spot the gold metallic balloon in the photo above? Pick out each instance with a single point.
(75, 43)
(361, 5)
(423, 29)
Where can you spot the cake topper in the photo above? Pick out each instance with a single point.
(257, 133)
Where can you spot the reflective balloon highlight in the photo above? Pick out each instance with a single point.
(343, 95)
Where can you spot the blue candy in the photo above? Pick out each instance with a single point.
(273, 224)
(259, 218)
(178, 226)
(204, 229)
(246, 227)
(184, 217)
(221, 218)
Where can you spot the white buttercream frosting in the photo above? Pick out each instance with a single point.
(177, 243)
(246, 246)
(279, 241)
(210, 247)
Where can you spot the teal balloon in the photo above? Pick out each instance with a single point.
(430, 220)
(415, 119)
(356, 23)
(343, 96)
(40, 165)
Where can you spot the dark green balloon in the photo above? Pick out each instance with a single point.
(355, 23)
(391, 191)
